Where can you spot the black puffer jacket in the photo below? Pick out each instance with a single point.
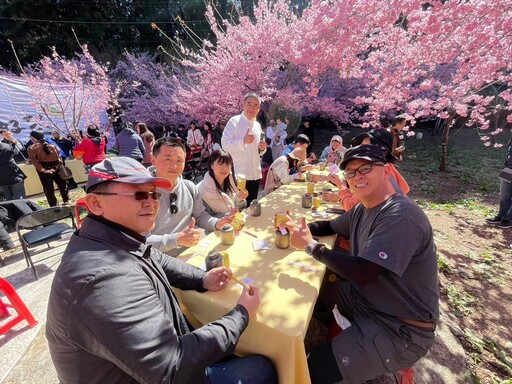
(113, 317)
(10, 173)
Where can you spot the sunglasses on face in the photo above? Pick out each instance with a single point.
(172, 198)
(139, 196)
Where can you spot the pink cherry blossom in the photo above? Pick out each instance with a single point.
(69, 93)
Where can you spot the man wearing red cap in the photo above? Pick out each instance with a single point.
(112, 314)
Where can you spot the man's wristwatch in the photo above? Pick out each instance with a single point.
(310, 247)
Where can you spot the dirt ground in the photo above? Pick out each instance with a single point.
(475, 273)
(474, 257)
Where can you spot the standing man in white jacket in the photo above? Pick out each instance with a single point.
(244, 141)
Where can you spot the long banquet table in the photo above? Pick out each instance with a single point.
(289, 281)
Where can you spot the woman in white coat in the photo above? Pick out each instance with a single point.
(218, 188)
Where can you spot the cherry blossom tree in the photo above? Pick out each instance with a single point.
(69, 93)
(255, 55)
(428, 60)
(436, 59)
(145, 88)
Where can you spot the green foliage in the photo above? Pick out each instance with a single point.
(442, 265)
(500, 357)
(495, 381)
(460, 302)
(472, 169)
(43, 203)
(472, 378)
(487, 258)
(107, 26)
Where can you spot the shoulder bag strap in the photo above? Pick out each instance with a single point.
(394, 184)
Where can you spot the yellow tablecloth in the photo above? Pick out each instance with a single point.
(289, 291)
(33, 184)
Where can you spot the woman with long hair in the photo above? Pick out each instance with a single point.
(93, 147)
(46, 159)
(148, 138)
(218, 188)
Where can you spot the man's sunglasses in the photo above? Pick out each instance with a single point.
(139, 196)
(172, 198)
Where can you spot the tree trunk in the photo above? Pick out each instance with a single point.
(444, 143)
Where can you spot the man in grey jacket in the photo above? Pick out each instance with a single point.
(112, 314)
(181, 208)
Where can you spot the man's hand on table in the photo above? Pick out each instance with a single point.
(250, 299)
(217, 279)
(190, 236)
(300, 235)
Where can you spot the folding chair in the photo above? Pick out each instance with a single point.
(43, 227)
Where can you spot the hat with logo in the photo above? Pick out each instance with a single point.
(371, 153)
(337, 138)
(123, 170)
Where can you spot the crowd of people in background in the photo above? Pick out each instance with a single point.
(266, 156)
(252, 152)
(217, 153)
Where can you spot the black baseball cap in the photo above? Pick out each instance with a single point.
(381, 137)
(123, 170)
(371, 153)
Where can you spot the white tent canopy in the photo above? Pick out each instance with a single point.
(18, 111)
(17, 108)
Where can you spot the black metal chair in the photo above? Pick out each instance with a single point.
(43, 227)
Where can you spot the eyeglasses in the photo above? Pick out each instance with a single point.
(363, 170)
(172, 198)
(139, 196)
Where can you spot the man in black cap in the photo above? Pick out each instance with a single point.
(396, 181)
(112, 314)
(387, 287)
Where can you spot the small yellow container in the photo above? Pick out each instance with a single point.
(241, 181)
(310, 188)
(225, 258)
